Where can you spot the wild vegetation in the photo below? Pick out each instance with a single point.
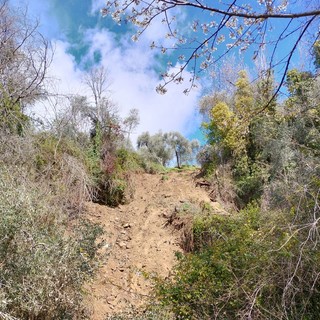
(259, 260)
(49, 171)
(262, 261)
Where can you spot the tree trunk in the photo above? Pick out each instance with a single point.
(178, 159)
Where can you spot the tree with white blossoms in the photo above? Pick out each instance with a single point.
(221, 28)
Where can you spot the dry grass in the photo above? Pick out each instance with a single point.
(43, 262)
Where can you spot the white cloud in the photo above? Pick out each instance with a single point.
(97, 5)
(64, 70)
(134, 81)
(131, 67)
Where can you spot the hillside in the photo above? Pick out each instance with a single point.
(139, 241)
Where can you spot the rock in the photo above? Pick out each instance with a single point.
(106, 246)
(125, 237)
(122, 245)
(127, 225)
(166, 215)
(111, 300)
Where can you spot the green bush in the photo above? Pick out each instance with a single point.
(113, 183)
(249, 265)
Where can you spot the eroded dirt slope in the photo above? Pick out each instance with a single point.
(138, 241)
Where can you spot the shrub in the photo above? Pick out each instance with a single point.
(43, 266)
(249, 265)
(60, 165)
(114, 183)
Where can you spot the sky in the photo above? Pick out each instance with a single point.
(81, 38)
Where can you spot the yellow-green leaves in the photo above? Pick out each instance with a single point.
(224, 126)
(229, 125)
(244, 96)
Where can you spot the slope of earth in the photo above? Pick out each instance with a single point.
(138, 240)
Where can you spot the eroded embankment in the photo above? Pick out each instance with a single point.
(139, 242)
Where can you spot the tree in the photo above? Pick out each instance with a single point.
(162, 147)
(228, 125)
(316, 53)
(221, 28)
(243, 96)
(222, 128)
(106, 131)
(98, 82)
(131, 121)
(180, 146)
(24, 60)
(155, 147)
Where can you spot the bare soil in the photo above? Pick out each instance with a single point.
(139, 242)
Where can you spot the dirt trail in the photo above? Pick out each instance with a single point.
(138, 242)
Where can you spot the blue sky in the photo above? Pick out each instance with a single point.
(82, 38)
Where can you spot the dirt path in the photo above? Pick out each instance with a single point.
(138, 242)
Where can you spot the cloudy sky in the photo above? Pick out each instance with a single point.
(81, 37)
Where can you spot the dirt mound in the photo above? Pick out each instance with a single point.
(139, 242)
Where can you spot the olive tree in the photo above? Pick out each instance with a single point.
(155, 147)
(131, 121)
(184, 149)
(163, 147)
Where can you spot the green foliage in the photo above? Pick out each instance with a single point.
(264, 93)
(65, 166)
(299, 84)
(153, 312)
(128, 160)
(244, 96)
(182, 147)
(223, 128)
(232, 132)
(160, 148)
(155, 148)
(114, 185)
(164, 177)
(86, 234)
(316, 53)
(12, 119)
(43, 267)
(50, 150)
(262, 262)
(228, 125)
(151, 167)
(249, 180)
(239, 268)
